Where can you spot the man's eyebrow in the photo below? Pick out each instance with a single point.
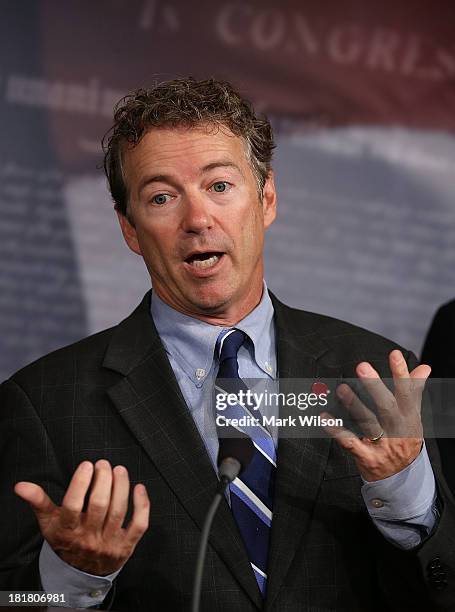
(165, 178)
(221, 164)
(157, 178)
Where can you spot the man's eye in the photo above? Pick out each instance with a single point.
(220, 186)
(161, 198)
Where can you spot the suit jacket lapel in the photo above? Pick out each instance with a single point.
(149, 400)
(300, 350)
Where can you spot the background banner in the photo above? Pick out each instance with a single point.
(362, 98)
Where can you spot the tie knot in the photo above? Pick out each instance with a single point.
(228, 343)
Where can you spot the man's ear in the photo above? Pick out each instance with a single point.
(269, 200)
(129, 234)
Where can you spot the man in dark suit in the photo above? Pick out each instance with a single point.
(439, 353)
(353, 523)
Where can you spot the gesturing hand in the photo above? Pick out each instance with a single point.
(393, 438)
(93, 541)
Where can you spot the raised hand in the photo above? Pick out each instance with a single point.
(93, 541)
(393, 438)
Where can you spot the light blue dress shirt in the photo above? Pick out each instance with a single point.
(403, 506)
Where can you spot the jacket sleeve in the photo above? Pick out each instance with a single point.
(26, 453)
(428, 570)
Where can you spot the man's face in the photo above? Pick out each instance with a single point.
(198, 220)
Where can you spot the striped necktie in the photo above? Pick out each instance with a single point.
(251, 495)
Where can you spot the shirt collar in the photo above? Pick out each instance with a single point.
(191, 342)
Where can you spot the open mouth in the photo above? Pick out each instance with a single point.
(204, 260)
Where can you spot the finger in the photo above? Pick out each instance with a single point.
(40, 502)
(348, 440)
(398, 365)
(401, 379)
(140, 521)
(419, 377)
(408, 387)
(119, 500)
(362, 416)
(383, 398)
(73, 501)
(100, 496)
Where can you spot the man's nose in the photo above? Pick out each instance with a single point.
(196, 213)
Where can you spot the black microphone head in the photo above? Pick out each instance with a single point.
(240, 447)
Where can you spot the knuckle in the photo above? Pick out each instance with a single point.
(352, 405)
(116, 516)
(406, 393)
(145, 524)
(347, 443)
(71, 507)
(89, 547)
(60, 539)
(141, 525)
(390, 405)
(98, 506)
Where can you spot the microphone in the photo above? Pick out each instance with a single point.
(234, 456)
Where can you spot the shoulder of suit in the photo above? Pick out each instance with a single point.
(86, 354)
(446, 311)
(339, 336)
(54, 366)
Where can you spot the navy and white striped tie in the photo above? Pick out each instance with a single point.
(251, 494)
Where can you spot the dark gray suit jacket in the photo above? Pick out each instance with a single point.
(114, 396)
(439, 352)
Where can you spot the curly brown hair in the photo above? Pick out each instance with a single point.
(189, 103)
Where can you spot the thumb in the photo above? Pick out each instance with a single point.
(38, 499)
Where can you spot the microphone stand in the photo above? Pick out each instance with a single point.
(228, 471)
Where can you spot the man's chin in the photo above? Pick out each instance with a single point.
(210, 304)
(213, 302)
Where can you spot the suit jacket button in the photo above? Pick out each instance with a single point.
(439, 584)
(438, 573)
(377, 503)
(434, 564)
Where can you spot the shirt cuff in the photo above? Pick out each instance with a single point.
(81, 590)
(405, 495)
